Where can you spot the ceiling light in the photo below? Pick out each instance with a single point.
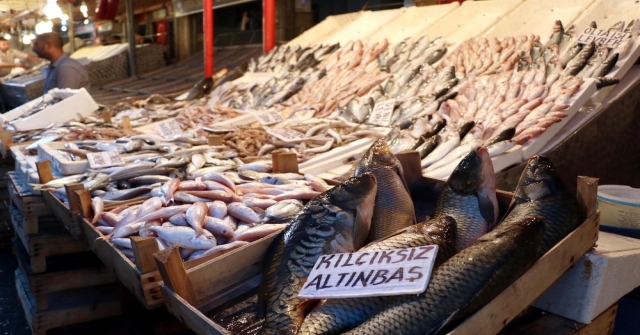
(65, 17)
(83, 8)
(7, 36)
(44, 27)
(86, 21)
(52, 10)
(63, 28)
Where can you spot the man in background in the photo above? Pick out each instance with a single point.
(64, 71)
(8, 57)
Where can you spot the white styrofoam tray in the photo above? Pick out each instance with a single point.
(324, 28)
(538, 17)
(534, 146)
(596, 281)
(413, 22)
(472, 19)
(362, 27)
(49, 151)
(26, 168)
(75, 103)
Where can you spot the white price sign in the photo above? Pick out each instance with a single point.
(98, 160)
(371, 273)
(381, 114)
(168, 128)
(287, 135)
(269, 117)
(610, 39)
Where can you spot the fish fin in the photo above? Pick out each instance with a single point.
(487, 209)
(391, 235)
(306, 305)
(400, 173)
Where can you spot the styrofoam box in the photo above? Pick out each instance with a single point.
(50, 152)
(596, 281)
(538, 17)
(414, 22)
(76, 102)
(472, 19)
(362, 27)
(324, 28)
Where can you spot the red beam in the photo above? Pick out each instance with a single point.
(268, 25)
(208, 38)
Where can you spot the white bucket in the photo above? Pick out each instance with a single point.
(619, 206)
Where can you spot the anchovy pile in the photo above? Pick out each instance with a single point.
(287, 58)
(210, 215)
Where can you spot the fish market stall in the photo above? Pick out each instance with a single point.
(18, 90)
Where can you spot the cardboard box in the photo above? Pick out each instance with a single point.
(75, 103)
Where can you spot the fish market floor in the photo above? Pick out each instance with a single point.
(12, 319)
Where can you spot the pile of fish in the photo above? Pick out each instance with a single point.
(483, 56)
(192, 118)
(287, 58)
(588, 60)
(312, 137)
(484, 254)
(211, 214)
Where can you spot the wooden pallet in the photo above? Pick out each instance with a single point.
(30, 205)
(51, 240)
(537, 322)
(65, 272)
(71, 307)
(189, 293)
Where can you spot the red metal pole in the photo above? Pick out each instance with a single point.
(208, 38)
(268, 25)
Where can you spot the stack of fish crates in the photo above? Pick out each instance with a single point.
(59, 280)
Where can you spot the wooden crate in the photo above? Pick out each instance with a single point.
(65, 272)
(51, 240)
(189, 293)
(141, 278)
(69, 307)
(537, 322)
(30, 205)
(70, 219)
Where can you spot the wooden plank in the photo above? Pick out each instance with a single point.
(287, 162)
(84, 197)
(214, 140)
(126, 123)
(130, 277)
(241, 264)
(6, 137)
(143, 249)
(97, 243)
(587, 195)
(106, 116)
(44, 171)
(69, 219)
(173, 273)
(188, 314)
(74, 200)
(508, 304)
(81, 306)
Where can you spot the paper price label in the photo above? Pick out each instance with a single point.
(287, 135)
(168, 128)
(269, 118)
(98, 160)
(610, 39)
(381, 114)
(371, 273)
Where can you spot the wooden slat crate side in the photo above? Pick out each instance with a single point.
(130, 277)
(92, 308)
(151, 289)
(551, 324)
(189, 315)
(96, 242)
(69, 218)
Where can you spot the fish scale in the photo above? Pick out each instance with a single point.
(333, 222)
(334, 316)
(462, 284)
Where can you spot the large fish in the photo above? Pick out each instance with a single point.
(336, 221)
(469, 196)
(394, 208)
(200, 89)
(335, 316)
(541, 193)
(462, 284)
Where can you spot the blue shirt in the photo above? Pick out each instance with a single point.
(65, 72)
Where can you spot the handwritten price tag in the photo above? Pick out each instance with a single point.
(382, 112)
(168, 128)
(269, 118)
(610, 39)
(98, 160)
(371, 273)
(287, 135)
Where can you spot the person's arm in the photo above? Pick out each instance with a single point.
(23, 56)
(12, 65)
